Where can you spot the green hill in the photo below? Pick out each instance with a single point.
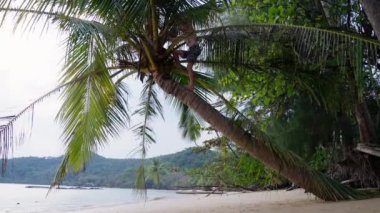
(104, 172)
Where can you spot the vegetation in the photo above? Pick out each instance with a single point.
(312, 104)
(106, 172)
(109, 41)
(235, 170)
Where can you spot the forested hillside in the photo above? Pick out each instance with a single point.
(105, 172)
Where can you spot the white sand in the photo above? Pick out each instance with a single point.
(258, 202)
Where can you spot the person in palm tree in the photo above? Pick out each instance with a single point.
(191, 54)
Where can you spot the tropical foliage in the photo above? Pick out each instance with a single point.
(106, 172)
(307, 109)
(109, 41)
(233, 169)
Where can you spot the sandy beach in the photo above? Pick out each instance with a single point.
(258, 202)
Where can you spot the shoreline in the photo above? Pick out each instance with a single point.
(258, 202)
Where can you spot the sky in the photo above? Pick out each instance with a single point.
(30, 65)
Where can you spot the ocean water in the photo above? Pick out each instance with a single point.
(18, 198)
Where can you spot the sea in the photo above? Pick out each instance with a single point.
(20, 198)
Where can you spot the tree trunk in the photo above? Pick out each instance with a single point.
(286, 163)
(372, 8)
(366, 126)
(347, 135)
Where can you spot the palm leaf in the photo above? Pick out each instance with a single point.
(94, 110)
(140, 181)
(189, 123)
(205, 87)
(201, 12)
(98, 111)
(233, 45)
(9, 135)
(148, 108)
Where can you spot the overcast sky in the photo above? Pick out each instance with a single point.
(30, 65)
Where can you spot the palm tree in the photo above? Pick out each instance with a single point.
(155, 170)
(111, 40)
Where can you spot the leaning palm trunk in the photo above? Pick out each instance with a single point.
(285, 162)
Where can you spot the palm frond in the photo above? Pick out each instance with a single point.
(148, 108)
(322, 47)
(10, 136)
(96, 112)
(140, 181)
(189, 122)
(204, 83)
(206, 88)
(109, 12)
(91, 111)
(83, 26)
(201, 13)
